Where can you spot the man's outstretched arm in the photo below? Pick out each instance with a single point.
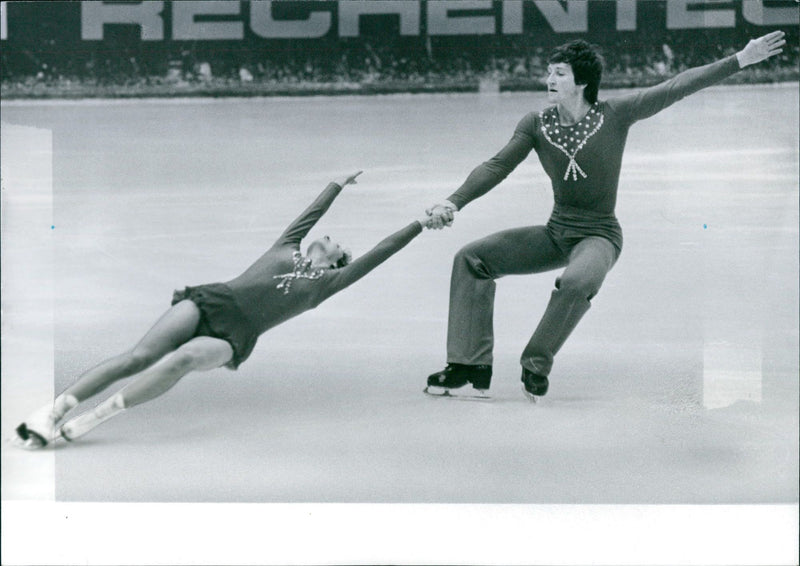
(649, 101)
(487, 175)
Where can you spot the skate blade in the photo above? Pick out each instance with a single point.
(468, 395)
(30, 443)
(29, 439)
(531, 397)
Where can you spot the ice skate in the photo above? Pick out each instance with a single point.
(29, 439)
(39, 429)
(460, 381)
(78, 426)
(83, 423)
(533, 385)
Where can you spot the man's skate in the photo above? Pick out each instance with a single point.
(533, 385)
(451, 382)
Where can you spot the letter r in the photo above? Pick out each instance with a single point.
(147, 15)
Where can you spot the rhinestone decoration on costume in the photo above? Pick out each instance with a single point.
(301, 270)
(571, 139)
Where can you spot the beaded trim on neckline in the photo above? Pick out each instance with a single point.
(571, 139)
(301, 270)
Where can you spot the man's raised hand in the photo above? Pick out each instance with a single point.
(764, 47)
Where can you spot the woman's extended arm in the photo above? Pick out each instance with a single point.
(298, 229)
(337, 279)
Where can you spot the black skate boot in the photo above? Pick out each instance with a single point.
(534, 385)
(456, 376)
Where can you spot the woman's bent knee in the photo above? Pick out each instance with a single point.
(203, 353)
(139, 359)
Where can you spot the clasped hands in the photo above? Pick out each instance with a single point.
(439, 215)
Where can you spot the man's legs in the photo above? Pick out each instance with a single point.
(470, 336)
(174, 328)
(589, 262)
(198, 354)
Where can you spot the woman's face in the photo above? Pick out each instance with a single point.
(329, 249)
(561, 85)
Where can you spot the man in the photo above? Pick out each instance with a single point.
(580, 142)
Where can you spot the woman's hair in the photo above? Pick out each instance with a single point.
(586, 62)
(346, 258)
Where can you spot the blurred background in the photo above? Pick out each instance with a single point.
(230, 48)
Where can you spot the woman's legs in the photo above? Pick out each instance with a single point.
(589, 262)
(470, 336)
(198, 354)
(174, 328)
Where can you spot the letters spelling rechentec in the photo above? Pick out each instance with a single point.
(195, 20)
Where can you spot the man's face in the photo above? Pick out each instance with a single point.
(561, 83)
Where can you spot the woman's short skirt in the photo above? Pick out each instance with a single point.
(221, 317)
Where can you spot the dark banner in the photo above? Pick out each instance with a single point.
(137, 38)
(231, 20)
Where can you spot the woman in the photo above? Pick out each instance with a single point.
(218, 324)
(579, 141)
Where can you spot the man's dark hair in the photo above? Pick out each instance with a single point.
(586, 62)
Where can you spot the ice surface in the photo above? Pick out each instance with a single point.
(679, 387)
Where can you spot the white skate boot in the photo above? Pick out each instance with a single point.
(39, 429)
(83, 423)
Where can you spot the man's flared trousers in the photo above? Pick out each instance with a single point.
(470, 334)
